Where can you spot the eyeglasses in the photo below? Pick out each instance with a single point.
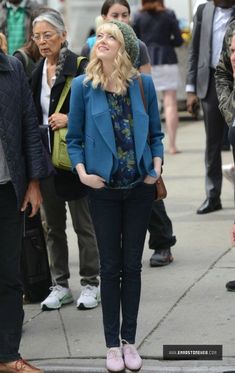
(47, 36)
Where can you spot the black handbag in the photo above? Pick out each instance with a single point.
(35, 270)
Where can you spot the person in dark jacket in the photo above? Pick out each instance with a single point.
(48, 80)
(158, 28)
(21, 167)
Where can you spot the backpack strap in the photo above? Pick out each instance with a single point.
(67, 87)
(24, 55)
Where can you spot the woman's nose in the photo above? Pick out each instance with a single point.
(120, 18)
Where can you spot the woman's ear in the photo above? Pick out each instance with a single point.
(64, 35)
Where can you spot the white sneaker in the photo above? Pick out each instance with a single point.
(59, 295)
(229, 172)
(89, 297)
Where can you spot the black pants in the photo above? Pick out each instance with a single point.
(160, 228)
(11, 294)
(214, 127)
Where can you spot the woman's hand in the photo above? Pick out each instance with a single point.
(58, 120)
(150, 179)
(93, 181)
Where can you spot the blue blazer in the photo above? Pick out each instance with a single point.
(91, 139)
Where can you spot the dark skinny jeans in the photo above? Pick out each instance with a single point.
(120, 218)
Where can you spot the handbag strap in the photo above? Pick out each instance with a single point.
(143, 97)
(142, 92)
(67, 87)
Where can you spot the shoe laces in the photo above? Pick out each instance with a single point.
(55, 289)
(88, 290)
(130, 348)
(114, 353)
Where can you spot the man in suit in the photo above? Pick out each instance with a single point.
(210, 23)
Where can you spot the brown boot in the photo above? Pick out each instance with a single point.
(19, 366)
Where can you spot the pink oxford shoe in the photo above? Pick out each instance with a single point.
(132, 359)
(114, 360)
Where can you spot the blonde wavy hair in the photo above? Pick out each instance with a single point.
(3, 42)
(123, 71)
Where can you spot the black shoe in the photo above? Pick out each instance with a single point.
(161, 258)
(225, 147)
(210, 205)
(230, 286)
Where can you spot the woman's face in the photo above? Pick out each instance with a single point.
(118, 12)
(47, 39)
(107, 47)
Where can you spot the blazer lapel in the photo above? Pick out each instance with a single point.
(140, 119)
(207, 28)
(101, 114)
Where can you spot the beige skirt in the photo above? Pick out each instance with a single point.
(166, 77)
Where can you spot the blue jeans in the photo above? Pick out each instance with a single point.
(11, 294)
(120, 218)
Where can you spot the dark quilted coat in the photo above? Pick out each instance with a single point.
(19, 127)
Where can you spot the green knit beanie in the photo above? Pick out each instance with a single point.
(130, 39)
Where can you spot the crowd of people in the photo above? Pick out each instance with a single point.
(114, 140)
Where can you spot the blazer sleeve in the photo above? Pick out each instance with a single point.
(155, 133)
(193, 53)
(76, 123)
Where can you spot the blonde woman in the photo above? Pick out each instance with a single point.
(3, 43)
(116, 148)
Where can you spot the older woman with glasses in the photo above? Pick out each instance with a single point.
(48, 81)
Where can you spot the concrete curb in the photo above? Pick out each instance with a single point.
(98, 366)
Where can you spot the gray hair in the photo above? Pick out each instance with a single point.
(54, 18)
(56, 21)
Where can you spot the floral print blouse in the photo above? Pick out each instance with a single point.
(122, 119)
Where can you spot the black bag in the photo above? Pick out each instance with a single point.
(35, 270)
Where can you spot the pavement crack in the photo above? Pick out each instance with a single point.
(32, 318)
(65, 334)
(182, 297)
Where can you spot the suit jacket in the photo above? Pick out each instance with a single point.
(91, 137)
(200, 50)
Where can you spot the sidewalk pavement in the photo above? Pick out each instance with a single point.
(183, 303)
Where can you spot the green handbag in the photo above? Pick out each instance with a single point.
(60, 157)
